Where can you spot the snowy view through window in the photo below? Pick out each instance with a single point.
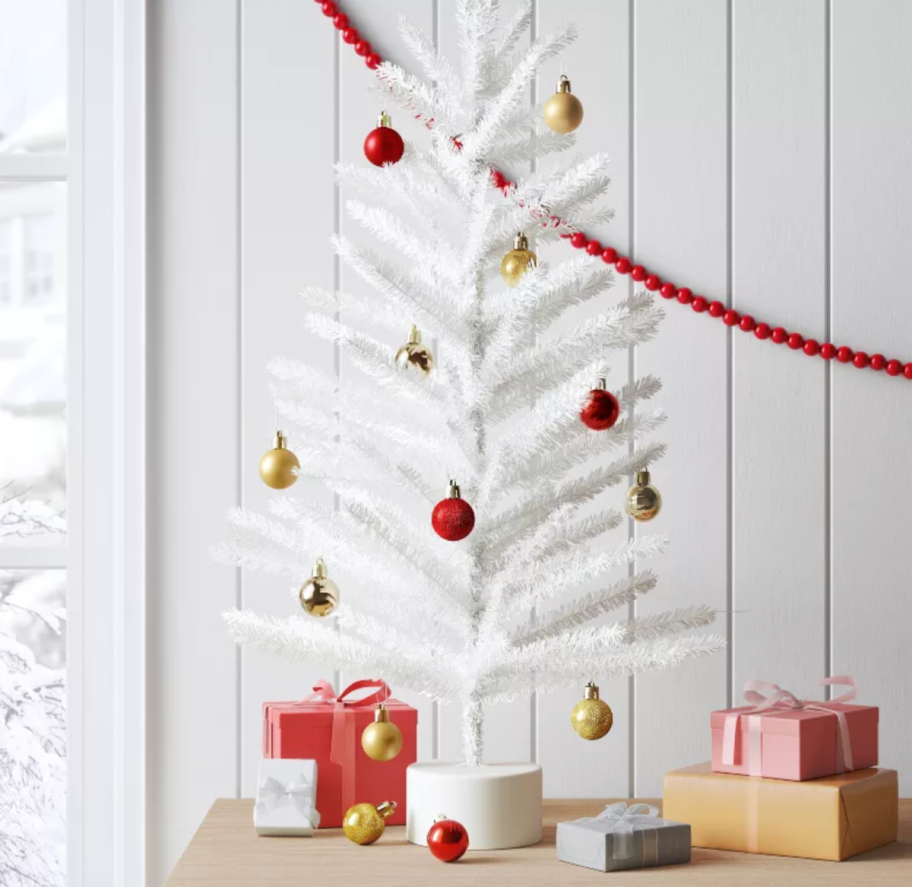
(33, 302)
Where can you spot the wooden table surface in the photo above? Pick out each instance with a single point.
(226, 852)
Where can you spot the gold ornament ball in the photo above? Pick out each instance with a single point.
(382, 740)
(319, 595)
(591, 717)
(413, 356)
(277, 467)
(364, 823)
(643, 501)
(563, 111)
(518, 261)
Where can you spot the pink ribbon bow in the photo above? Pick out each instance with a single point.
(778, 702)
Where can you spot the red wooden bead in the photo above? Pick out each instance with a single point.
(593, 248)
(907, 370)
(844, 354)
(779, 335)
(795, 341)
(731, 317)
(340, 20)
(699, 304)
(653, 282)
(811, 347)
(622, 265)
(747, 323)
(878, 362)
(609, 255)
(716, 309)
(638, 273)
(762, 331)
(685, 295)
(861, 360)
(668, 291)
(894, 367)
(827, 350)
(350, 35)
(373, 61)
(362, 47)
(329, 8)
(578, 240)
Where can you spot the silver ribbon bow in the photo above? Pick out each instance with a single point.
(299, 793)
(624, 821)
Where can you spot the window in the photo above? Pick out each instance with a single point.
(6, 263)
(40, 258)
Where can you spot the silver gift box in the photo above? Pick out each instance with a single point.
(623, 838)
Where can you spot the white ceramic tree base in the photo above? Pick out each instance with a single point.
(500, 805)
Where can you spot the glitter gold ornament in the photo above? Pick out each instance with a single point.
(591, 717)
(563, 111)
(519, 260)
(643, 501)
(413, 356)
(277, 467)
(319, 595)
(364, 823)
(382, 740)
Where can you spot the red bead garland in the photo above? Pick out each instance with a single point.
(810, 347)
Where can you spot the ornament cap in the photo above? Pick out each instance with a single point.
(441, 817)
(643, 477)
(384, 119)
(563, 85)
(591, 691)
(386, 809)
(280, 441)
(381, 715)
(601, 385)
(453, 490)
(319, 569)
(521, 241)
(414, 335)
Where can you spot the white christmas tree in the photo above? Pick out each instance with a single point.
(477, 622)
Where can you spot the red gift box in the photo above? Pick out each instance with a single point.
(328, 728)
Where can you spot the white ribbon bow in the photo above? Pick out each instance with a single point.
(300, 794)
(624, 821)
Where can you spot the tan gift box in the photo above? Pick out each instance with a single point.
(830, 818)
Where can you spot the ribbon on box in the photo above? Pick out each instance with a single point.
(779, 702)
(624, 822)
(299, 793)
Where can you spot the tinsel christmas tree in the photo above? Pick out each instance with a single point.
(507, 610)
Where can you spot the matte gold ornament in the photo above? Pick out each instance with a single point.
(591, 717)
(382, 740)
(518, 261)
(319, 595)
(277, 467)
(413, 356)
(364, 823)
(563, 111)
(643, 501)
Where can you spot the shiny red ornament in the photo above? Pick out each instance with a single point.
(363, 47)
(686, 296)
(668, 291)
(638, 273)
(779, 335)
(861, 360)
(698, 304)
(447, 840)
(878, 362)
(653, 282)
(747, 323)
(453, 518)
(373, 61)
(827, 350)
(716, 309)
(894, 368)
(731, 317)
(845, 354)
(622, 265)
(593, 248)
(609, 255)
(383, 144)
(350, 35)
(811, 347)
(330, 9)
(795, 341)
(602, 409)
(340, 21)
(578, 240)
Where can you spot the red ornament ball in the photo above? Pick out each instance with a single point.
(609, 255)
(578, 240)
(622, 265)
(601, 411)
(698, 304)
(453, 518)
(593, 248)
(447, 840)
(373, 61)
(383, 145)
(638, 273)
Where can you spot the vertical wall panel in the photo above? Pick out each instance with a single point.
(193, 417)
(288, 200)
(872, 483)
(680, 232)
(779, 269)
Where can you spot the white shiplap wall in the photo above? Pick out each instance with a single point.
(759, 155)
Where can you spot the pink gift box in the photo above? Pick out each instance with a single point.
(794, 740)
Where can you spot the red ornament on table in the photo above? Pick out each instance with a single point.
(383, 144)
(602, 409)
(447, 840)
(453, 518)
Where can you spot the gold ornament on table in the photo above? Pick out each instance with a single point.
(382, 740)
(563, 111)
(319, 595)
(277, 467)
(413, 356)
(591, 718)
(518, 261)
(364, 823)
(643, 501)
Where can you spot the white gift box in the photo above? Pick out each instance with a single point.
(286, 798)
